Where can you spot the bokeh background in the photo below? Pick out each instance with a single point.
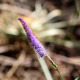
(56, 23)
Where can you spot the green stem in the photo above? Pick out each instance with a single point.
(55, 66)
(60, 74)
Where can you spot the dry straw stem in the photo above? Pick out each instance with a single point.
(16, 65)
(15, 9)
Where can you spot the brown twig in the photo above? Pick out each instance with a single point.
(16, 65)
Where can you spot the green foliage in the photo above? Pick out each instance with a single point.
(78, 78)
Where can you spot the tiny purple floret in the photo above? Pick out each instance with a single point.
(38, 47)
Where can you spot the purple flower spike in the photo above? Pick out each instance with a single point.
(38, 47)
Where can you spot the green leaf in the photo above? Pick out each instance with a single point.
(78, 78)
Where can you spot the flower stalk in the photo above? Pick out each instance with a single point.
(37, 46)
(55, 66)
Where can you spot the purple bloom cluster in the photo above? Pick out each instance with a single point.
(38, 47)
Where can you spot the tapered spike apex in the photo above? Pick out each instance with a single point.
(38, 47)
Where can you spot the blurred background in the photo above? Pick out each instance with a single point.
(56, 23)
